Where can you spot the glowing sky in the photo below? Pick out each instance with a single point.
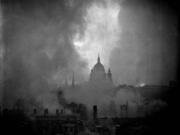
(101, 33)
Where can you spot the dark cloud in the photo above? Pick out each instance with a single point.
(39, 54)
(148, 46)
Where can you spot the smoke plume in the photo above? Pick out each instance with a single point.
(42, 43)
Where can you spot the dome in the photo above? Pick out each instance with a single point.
(99, 76)
(99, 67)
(98, 71)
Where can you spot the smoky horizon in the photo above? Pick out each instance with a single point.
(96, 52)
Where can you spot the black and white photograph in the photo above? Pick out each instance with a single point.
(89, 67)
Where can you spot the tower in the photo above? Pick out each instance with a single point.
(109, 75)
(95, 112)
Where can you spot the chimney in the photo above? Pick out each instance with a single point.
(57, 112)
(95, 112)
(34, 112)
(62, 111)
(45, 112)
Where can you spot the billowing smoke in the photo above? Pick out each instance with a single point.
(101, 31)
(39, 55)
(147, 49)
(46, 42)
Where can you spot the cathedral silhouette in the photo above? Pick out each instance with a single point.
(98, 78)
(98, 74)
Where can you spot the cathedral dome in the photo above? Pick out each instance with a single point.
(99, 67)
(98, 71)
(98, 76)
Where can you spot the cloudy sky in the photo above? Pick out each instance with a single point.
(42, 42)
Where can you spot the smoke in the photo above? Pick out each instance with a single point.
(101, 31)
(45, 42)
(39, 54)
(147, 49)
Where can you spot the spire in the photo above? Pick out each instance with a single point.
(109, 74)
(99, 61)
(73, 80)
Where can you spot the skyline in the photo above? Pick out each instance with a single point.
(137, 39)
(137, 46)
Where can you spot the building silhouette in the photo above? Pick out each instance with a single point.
(98, 73)
(98, 78)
